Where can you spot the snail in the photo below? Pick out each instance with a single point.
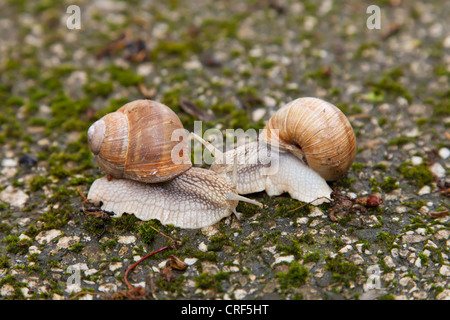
(150, 174)
(313, 142)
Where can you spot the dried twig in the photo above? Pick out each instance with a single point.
(438, 214)
(95, 212)
(307, 203)
(192, 109)
(136, 263)
(147, 93)
(177, 263)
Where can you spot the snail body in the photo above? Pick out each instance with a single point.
(314, 143)
(194, 199)
(134, 147)
(289, 174)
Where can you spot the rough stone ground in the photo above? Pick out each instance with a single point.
(238, 61)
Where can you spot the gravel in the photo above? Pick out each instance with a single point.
(238, 62)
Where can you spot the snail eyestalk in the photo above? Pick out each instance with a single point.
(234, 196)
(214, 151)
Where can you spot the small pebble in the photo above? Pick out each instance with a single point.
(9, 162)
(416, 160)
(444, 153)
(438, 170)
(15, 197)
(28, 160)
(258, 114)
(424, 190)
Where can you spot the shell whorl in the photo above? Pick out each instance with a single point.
(316, 131)
(136, 142)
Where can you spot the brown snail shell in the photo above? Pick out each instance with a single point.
(317, 132)
(136, 142)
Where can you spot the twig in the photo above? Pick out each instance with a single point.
(308, 203)
(86, 292)
(147, 93)
(438, 214)
(139, 261)
(165, 235)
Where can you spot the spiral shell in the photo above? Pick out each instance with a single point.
(317, 132)
(142, 141)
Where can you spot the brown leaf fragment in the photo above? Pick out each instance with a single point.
(177, 263)
(147, 93)
(167, 274)
(394, 28)
(210, 60)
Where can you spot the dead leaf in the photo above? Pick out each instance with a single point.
(177, 263)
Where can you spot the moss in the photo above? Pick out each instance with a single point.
(312, 257)
(109, 244)
(172, 48)
(346, 182)
(382, 121)
(147, 231)
(77, 247)
(247, 209)
(37, 121)
(288, 207)
(295, 277)
(423, 259)
(380, 166)
(4, 261)
(174, 286)
(419, 175)
(214, 27)
(218, 241)
(416, 204)
(125, 77)
(223, 108)
(374, 185)
(78, 181)
(389, 184)
(389, 84)
(37, 182)
(440, 103)
(239, 119)
(3, 205)
(67, 114)
(364, 47)
(400, 141)
(207, 281)
(97, 88)
(16, 245)
(59, 172)
(267, 64)
(386, 238)
(294, 248)
(357, 166)
(13, 101)
(374, 96)
(343, 271)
